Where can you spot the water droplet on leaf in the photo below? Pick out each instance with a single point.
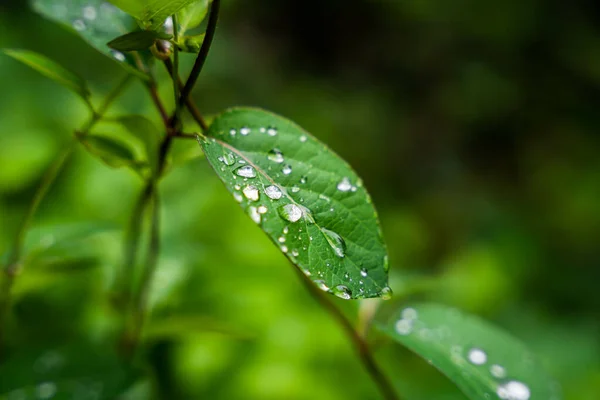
(246, 171)
(254, 214)
(275, 155)
(342, 292)
(290, 212)
(273, 192)
(245, 131)
(477, 356)
(287, 169)
(513, 390)
(386, 293)
(344, 185)
(251, 193)
(336, 242)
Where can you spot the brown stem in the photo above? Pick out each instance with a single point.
(360, 344)
(188, 101)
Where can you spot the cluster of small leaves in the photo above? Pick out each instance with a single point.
(303, 196)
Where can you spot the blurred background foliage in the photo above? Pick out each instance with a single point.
(475, 125)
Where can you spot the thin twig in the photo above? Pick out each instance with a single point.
(203, 54)
(360, 344)
(175, 74)
(195, 113)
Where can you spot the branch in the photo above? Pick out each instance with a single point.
(203, 54)
(360, 344)
(188, 101)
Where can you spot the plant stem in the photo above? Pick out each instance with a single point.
(195, 113)
(175, 72)
(203, 54)
(13, 267)
(141, 305)
(360, 344)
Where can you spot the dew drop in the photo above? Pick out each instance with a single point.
(273, 192)
(344, 185)
(513, 390)
(245, 131)
(498, 371)
(303, 180)
(477, 356)
(336, 242)
(295, 189)
(404, 327)
(363, 272)
(287, 169)
(118, 55)
(232, 132)
(254, 214)
(272, 131)
(79, 25)
(89, 13)
(263, 129)
(281, 239)
(290, 212)
(238, 197)
(323, 197)
(286, 230)
(284, 249)
(342, 292)
(275, 155)
(386, 293)
(246, 171)
(251, 193)
(295, 253)
(321, 285)
(303, 138)
(410, 313)
(227, 159)
(262, 210)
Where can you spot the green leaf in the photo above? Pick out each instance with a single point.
(113, 153)
(97, 22)
(192, 15)
(152, 13)
(139, 40)
(304, 197)
(483, 361)
(52, 70)
(146, 132)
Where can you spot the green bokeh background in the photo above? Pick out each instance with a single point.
(474, 124)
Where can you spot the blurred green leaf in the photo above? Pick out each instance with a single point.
(96, 21)
(140, 40)
(80, 371)
(309, 202)
(482, 360)
(152, 13)
(147, 133)
(110, 151)
(52, 70)
(192, 15)
(65, 247)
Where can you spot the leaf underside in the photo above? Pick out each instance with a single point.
(309, 201)
(482, 360)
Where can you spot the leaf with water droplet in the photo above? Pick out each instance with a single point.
(481, 359)
(97, 22)
(338, 242)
